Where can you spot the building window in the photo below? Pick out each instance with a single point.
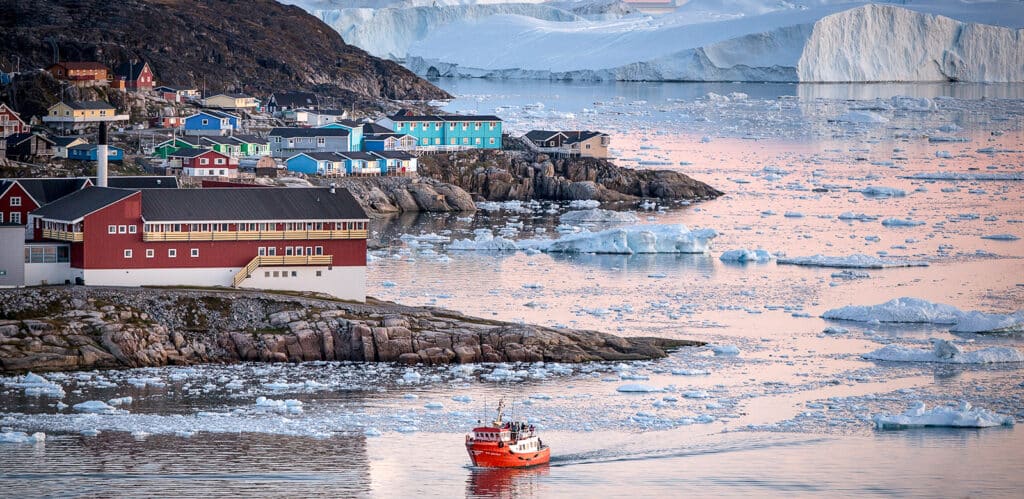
(452, 141)
(206, 122)
(127, 253)
(320, 141)
(15, 200)
(295, 274)
(437, 141)
(272, 251)
(204, 161)
(222, 173)
(172, 253)
(289, 251)
(465, 140)
(490, 141)
(111, 229)
(219, 161)
(132, 229)
(16, 217)
(150, 253)
(319, 250)
(426, 141)
(261, 251)
(319, 273)
(122, 229)
(195, 252)
(277, 274)
(478, 141)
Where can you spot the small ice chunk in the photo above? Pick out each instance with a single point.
(94, 406)
(964, 416)
(725, 350)
(637, 388)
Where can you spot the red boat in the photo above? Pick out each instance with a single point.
(506, 444)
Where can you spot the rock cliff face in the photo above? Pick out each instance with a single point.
(257, 46)
(52, 329)
(383, 195)
(520, 175)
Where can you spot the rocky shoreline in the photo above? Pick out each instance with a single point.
(77, 328)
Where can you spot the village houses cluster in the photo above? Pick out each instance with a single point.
(232, 232)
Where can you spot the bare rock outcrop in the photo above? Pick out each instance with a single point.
(380, 195)
(70, 328)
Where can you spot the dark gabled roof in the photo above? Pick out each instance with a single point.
(327, 112)
(321, 156)
(271, 203)
(374, 129)
(84, 147)
(17, 138)
(232, 95)
(384, 136)
(78, 204)
(188, 139)
(308, 132)
(190, 152)
(64, 141)
(248, 139)
(358, 155)
(393, 154)
(295, 99)
(141, 182)
(218, 139)
(580, 135)
(540, 135)
(445, 117)
(48, 190)
(89, 104)
(175, 88)
(130, 70)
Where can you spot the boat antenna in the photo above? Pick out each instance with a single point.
(501, 411)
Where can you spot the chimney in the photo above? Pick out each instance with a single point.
(101, 156)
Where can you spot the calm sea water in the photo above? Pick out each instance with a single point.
(789, 416)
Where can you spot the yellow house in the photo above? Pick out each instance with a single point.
(82, 109)
(230, 101)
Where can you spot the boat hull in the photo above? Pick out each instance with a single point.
(492, 456)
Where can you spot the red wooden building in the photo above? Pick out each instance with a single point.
(202, 163)
(80, 73)
(11, 123)
(135, 75)
(268, 238)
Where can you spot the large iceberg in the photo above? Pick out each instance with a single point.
(964, 416)
(709, 40)
(916, 310)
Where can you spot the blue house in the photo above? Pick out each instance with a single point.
(451, 131)
(360, 163)
(211, 122)
(317, 163)
(87, 152)
(355, 132)
(395, 162)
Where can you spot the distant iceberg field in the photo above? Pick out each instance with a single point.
(705, 40)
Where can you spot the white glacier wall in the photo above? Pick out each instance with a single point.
(706, 40)
(881, 43)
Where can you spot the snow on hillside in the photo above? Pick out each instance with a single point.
(704, 40)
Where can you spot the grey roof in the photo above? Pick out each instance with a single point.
(393, 154)
(373, 129)
(136, 182)
(188, 139)
(540, 135)
(328, 112)
(84, 147)
(81, 203)
(176, 88)
(257, 203)
(385, 136)
(308, 132)
(357, 155)
(294, 99)
(444, 117)
(248, 139)
(48, 190)
(322, 156)
(89, 104)
(218, 139)
(217, 114)
(189, 152)
(571, 136)
(17, 138)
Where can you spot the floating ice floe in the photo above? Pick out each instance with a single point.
(1001, 237)
(120, 401)
(901, 222)
(725, 350)
(858, 261)
(290, 406)
(484, 240)
(20, 437)
(874, 191)
(96, 407)
(916, 310)
(964, 416)
(36, 385)
(862, 217)
(597, 215)
(744, 255)
(696, 394)
(637, 388)
(861, 117)
(690, 372)
(946, 352)
(584, 204)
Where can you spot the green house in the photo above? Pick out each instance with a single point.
(163, 149)
(251, 145)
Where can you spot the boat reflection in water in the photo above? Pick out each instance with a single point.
(505, 482)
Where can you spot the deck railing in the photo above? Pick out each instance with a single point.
(277, 261)
(272, 235)
(63, 235)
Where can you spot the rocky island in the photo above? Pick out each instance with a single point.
(74, 328)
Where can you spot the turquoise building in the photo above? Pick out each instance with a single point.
(449, 131)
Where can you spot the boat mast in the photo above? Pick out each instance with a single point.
(501, 411)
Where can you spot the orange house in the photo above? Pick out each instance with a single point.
(80, 73)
